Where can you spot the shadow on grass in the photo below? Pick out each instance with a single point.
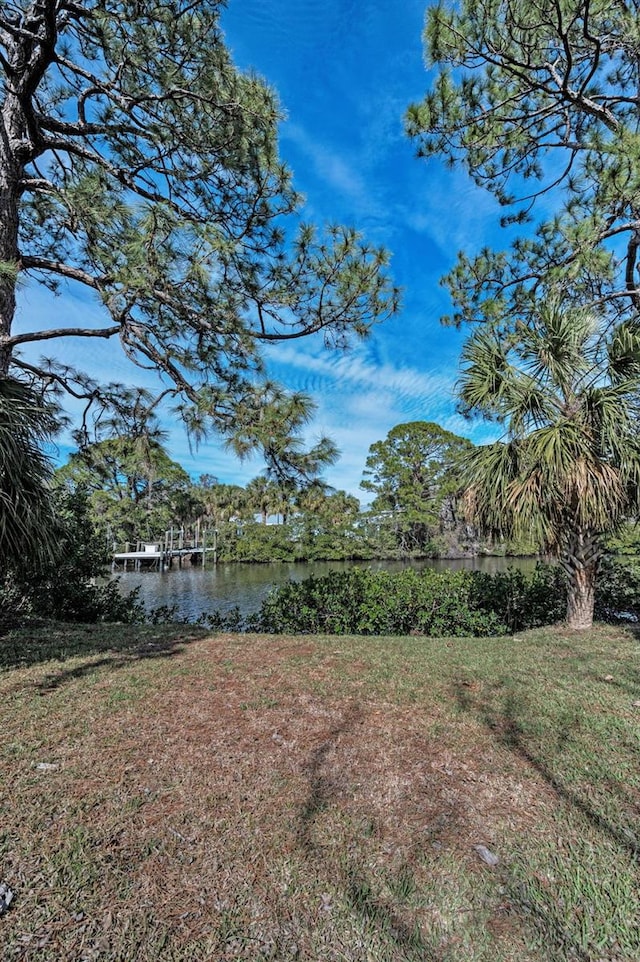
(56, 641)
(505, 726)
(57, 679)
(374, 911)
(323, 789)
(324, 792)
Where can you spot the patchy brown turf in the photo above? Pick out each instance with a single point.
(266, 798)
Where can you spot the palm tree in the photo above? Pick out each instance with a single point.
(341, 509)
(222, 502)
(312, 498)
(28, 524)
(285, 495)
(568, 469)
(262, 496)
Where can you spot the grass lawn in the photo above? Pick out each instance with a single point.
(167, 794)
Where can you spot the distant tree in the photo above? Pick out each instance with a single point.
(207, 481)
(326, 507)
(323, 524)
(312, 498)
(539, 102)
(410, 473)
(340, 509)
(222, 502)
(286, 506)
(137, 162)
(136, 491)
(568, 472)
(262, 497)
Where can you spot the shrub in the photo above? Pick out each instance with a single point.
(361, 601)
(618, 590)
(88, 603)
(432, 603)
(522, 600)
(64, 587)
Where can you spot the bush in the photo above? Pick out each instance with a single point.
(522, 600)
(82, 602)
(618, 590)
(64, 588)
(432, 603)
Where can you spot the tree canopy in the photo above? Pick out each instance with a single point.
(539, 103)
(136, 491)
(138, 162)
(568, 471)
(410, 473)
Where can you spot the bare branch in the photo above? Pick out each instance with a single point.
(104, 332)
(632, 250)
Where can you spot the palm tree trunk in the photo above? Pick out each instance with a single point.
(581, 565)
(581, 597)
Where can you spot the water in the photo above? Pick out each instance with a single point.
(226, 586)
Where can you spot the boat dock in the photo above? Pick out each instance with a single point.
(161, 555)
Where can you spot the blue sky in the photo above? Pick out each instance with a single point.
(345, 73)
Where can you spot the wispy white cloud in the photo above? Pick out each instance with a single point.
(360, 399)
(338, 171)
(353, 371)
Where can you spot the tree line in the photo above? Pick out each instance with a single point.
(136, 492)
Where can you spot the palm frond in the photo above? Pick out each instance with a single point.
(530, 406)
(489, 472)
(485, 381)
(28, 527)
(623, 352)
(559, 350)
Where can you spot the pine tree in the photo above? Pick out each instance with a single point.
(138, 162)
(539, 103)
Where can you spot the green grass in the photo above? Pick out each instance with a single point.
(252, 798)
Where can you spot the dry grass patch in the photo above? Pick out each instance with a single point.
(177, 796)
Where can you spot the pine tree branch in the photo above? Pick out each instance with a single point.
(45, 376)
(105, 332)
(96, 282)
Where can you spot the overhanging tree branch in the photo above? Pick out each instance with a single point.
(30, 337)
(546, 94)
(70, 271)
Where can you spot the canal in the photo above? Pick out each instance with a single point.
(225, 586)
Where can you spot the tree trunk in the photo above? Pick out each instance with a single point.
(30, 48)
(10, 174)
(581, 565)
(581, 597)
